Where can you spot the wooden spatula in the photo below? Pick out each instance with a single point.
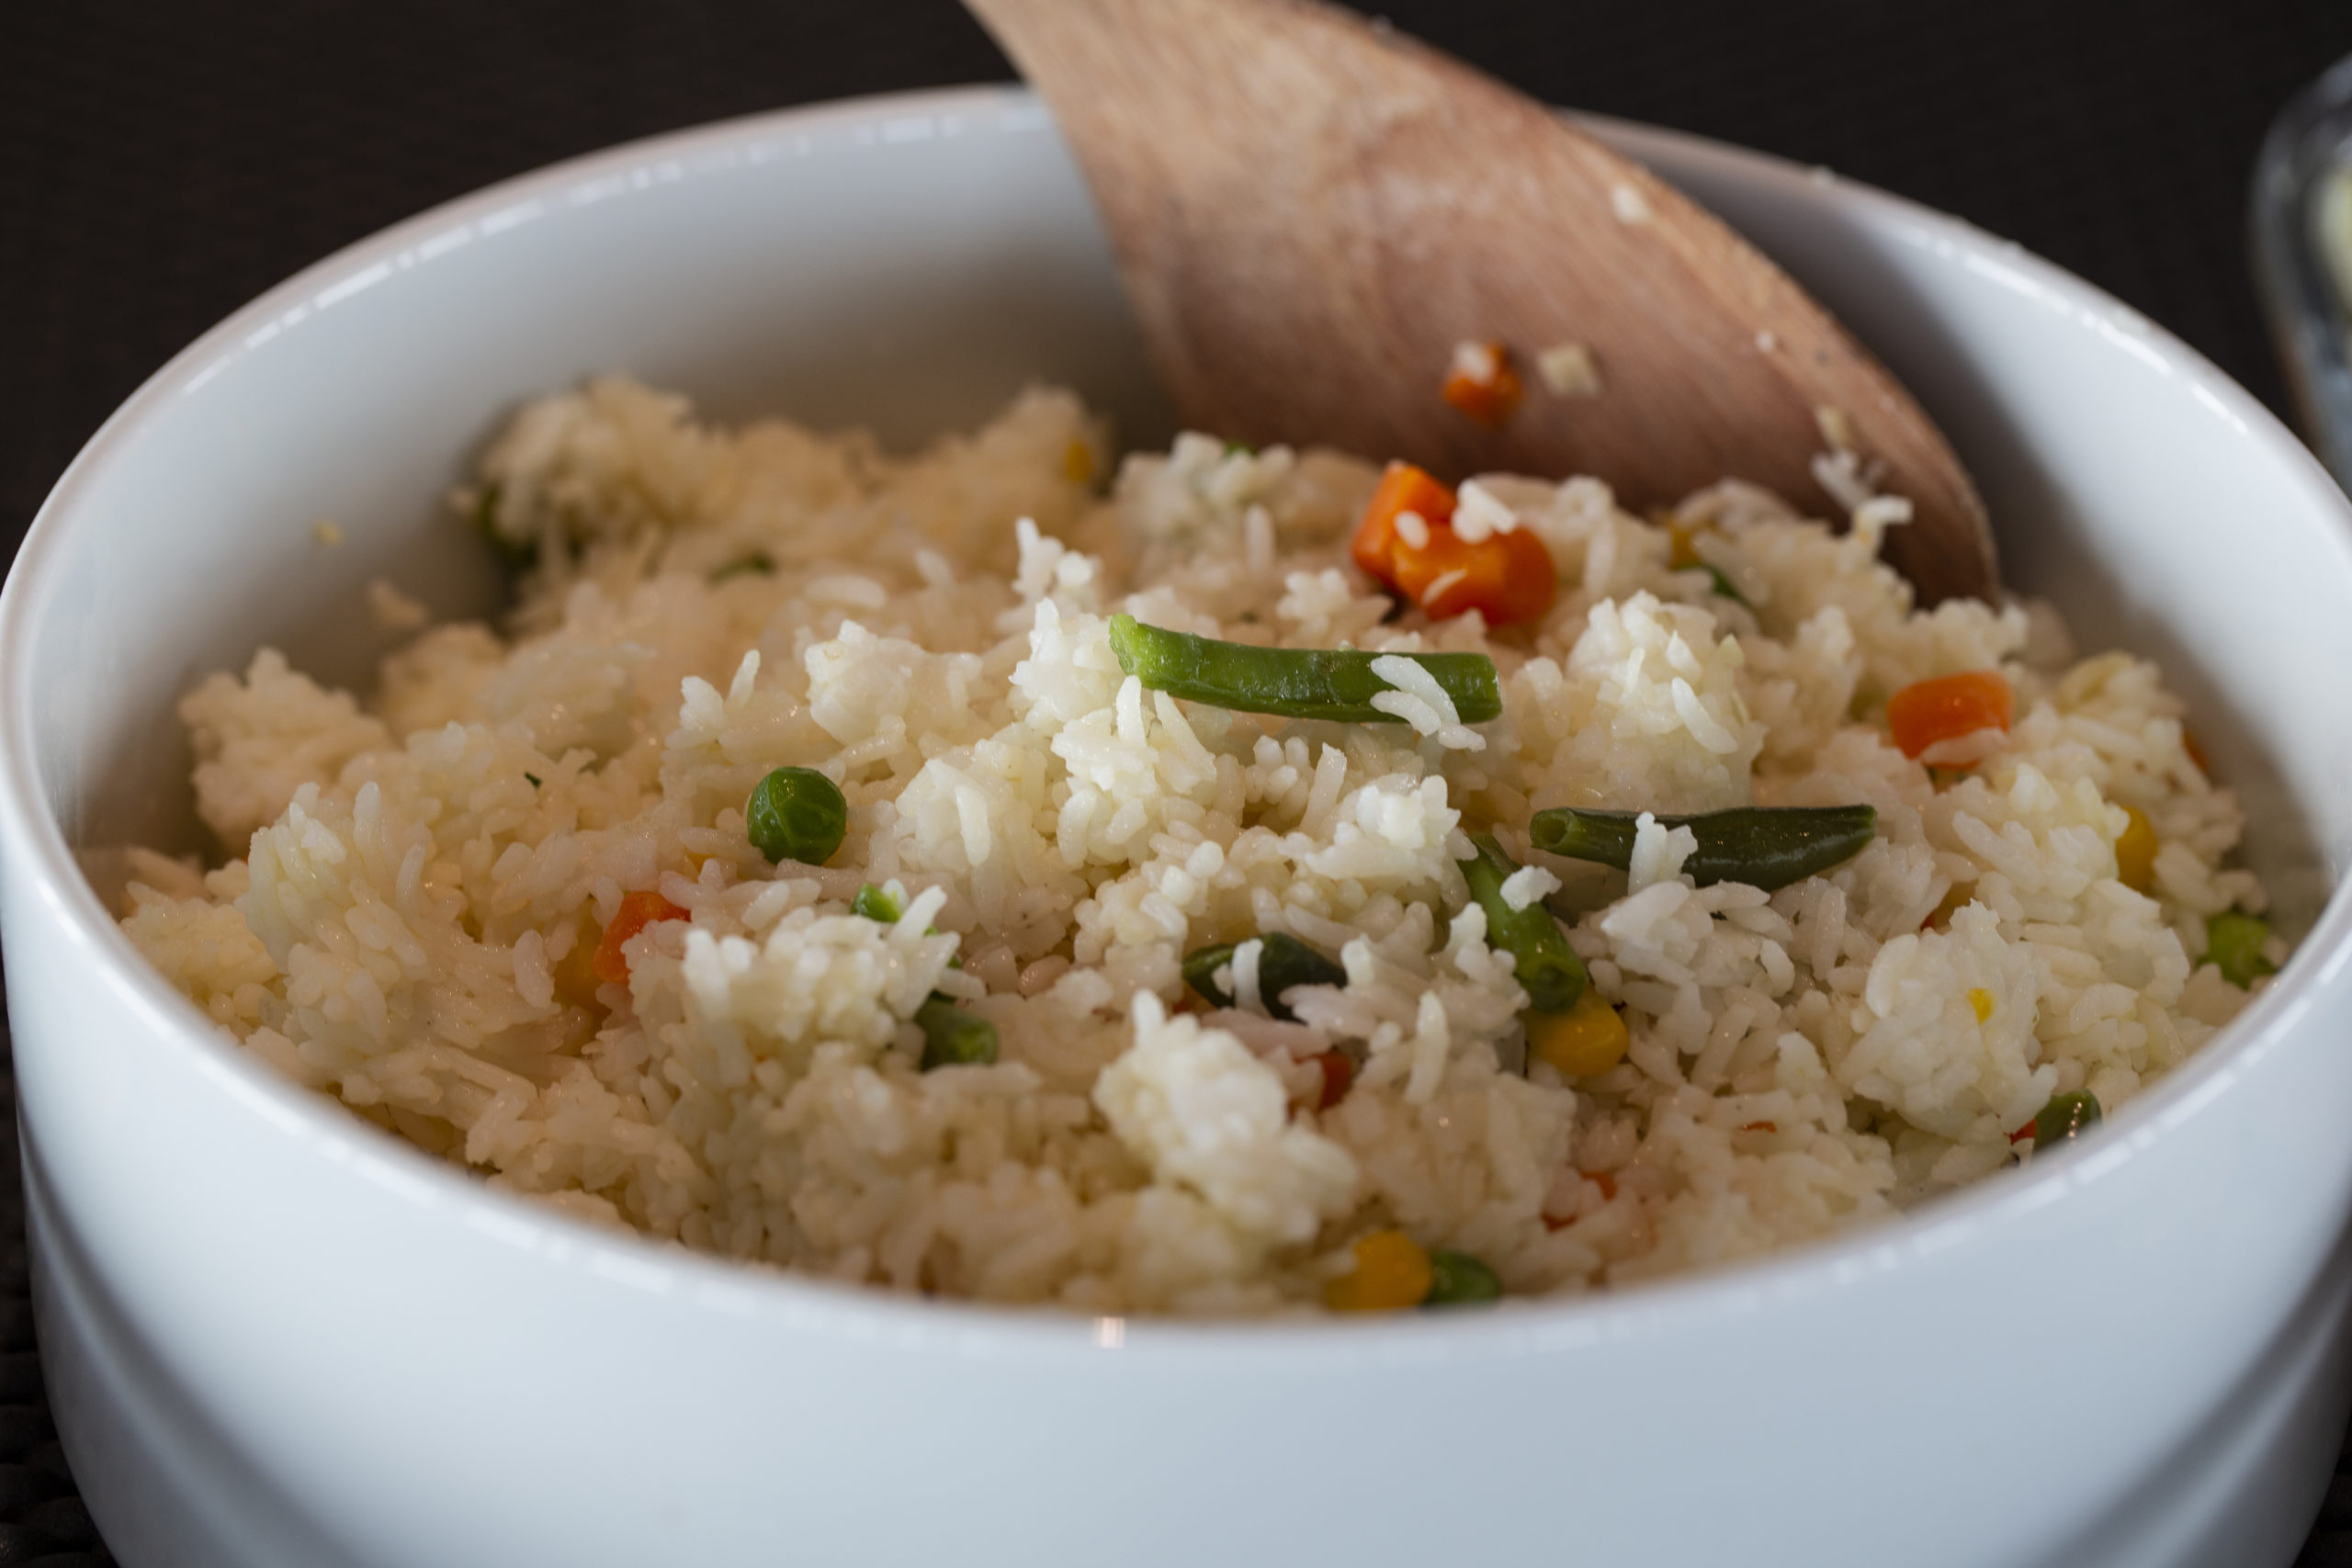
(1312, 213)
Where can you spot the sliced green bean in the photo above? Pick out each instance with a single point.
(1285, 962)
(1457, 1278)
(797, 814)
(952, 1037)
(2234, 942)
(2066, 1116)
(1292, 682)
(516, 556)
(1724, 586)
(758, 563)
(1762, 846)
(1546, 967)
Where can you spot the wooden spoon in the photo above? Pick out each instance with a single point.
(1311, 212)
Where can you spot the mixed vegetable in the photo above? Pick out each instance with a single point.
(1948, 707)
(1408, 538)
(1329, 683)
(952, 1036)
(797, 814)
(1765, 846)
(2066, 1116)
(1285, 962)
(1394, 1272)
(2233, 943)
(1547, 968)
(1408, 541)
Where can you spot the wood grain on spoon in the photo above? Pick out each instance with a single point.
(1310, 213)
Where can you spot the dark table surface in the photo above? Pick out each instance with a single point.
(160, 165)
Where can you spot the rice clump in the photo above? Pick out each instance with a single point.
(417, 881)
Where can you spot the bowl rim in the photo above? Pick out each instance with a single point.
(40, 858)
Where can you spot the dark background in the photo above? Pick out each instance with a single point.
(161, 164)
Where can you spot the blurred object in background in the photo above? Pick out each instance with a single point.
(2303, 257)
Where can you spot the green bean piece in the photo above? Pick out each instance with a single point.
(516, 556)
(758, 563)
(876, 904)
(797, 814)
(1547, 968)
(952, 1037)
(2234, 942)
(1292, 682)
(1285, 962)
(1724, 586)
(1457, 1278)
(2066, 1116)
(1762, 846)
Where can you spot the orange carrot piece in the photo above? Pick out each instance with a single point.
(638, 911)
(1482, 384)
(1403, 488)
(1508, 577)
(1338, 1074)
(1948, 707)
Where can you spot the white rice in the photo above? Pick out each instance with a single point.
(416, 880)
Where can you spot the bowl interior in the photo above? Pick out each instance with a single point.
(905, 266)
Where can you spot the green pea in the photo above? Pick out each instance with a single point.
(1285, 962)
(876, 904)
(1546, 967)
(952, 1037)
(2233, 945)
(797, 814)
(1457, 1278)
(2066, 1116)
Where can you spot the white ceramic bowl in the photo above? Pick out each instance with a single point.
(276, 1336)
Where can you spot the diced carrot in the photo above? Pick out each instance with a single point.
(1338, 1074)
(1760, 1127)
(2196, 753)
(1403, 488)
(1603, 1179)
(1482, 384)
(1957, 897)
(2135, 851)
(1948, 707)
(638, 911)
(2022, 1134)
(1508, 577)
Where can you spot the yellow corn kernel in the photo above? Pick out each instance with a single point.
(1392, 1273)
(575, 973)
(1685, 555)
(1078, 463)
(2135, 851)
(1982, 1000)
(1589, 1038)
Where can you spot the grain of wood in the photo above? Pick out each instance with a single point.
(1311, 211)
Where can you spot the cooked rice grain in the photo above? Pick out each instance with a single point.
(421, 878)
